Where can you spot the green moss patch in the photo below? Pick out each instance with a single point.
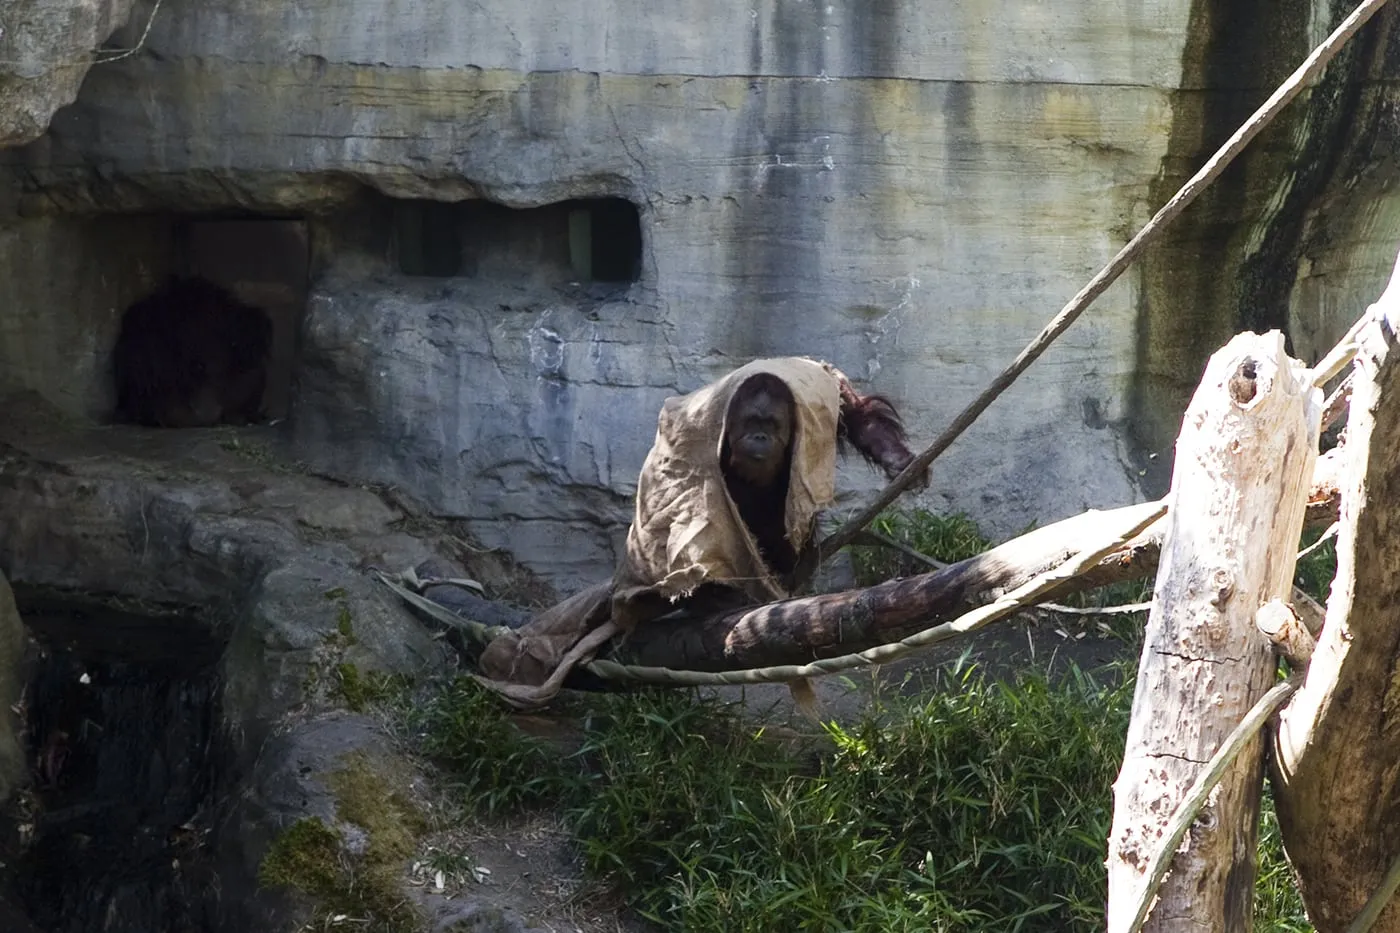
(366, 886)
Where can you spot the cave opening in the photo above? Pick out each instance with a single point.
(124, 736)
(209, 334)
(266, 262)
(596, 241)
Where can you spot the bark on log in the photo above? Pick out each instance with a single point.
(1239, 487)
(800, 630)
(1283, 626)
(1337, 756)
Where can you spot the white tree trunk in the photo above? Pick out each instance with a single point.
(1337, 762)
(1239, 488)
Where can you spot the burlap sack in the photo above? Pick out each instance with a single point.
(686, 530)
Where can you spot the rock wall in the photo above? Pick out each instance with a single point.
(253, 683)
(12, 763)
(905, 189)
(1285, 238)
(46, 48)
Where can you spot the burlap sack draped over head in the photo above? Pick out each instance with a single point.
(686, 529)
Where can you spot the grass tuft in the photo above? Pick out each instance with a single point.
(986, 804)
(981, 805)
(497, 768)
(946, 538)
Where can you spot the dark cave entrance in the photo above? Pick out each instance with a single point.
(266, 262)
(261, 262)
(594, 241)
(119, 833)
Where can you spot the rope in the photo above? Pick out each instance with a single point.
(1096, 610)
(1105, 277)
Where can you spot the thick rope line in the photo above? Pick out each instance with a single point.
(881, 654)
(1200, 789)
(1105, 277)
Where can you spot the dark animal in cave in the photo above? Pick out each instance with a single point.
(756, 455)
(191, 355)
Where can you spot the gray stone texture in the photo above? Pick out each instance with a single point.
(13, 772)
(272, 560)
(46, 48)
(908, 190)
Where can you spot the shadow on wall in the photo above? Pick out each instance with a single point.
(190, 347)
(265, 263)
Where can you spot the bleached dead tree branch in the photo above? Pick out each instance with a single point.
(1239, 489)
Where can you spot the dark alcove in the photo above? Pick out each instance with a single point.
(125, 739)
(588, 240)
(208, 333)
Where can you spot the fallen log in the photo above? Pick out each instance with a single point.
(800, 630)
(808, 627)
(882, 654)
(1243, 462)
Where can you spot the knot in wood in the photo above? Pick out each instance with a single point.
(1224, 585)
(1245, 382)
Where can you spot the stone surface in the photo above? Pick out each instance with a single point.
(908, 190)
(272, 559)
(481, 918)
(12, 758)
(289, 783)
(46, 48)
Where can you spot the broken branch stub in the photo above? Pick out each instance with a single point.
(1239, 489)
(1284, 627)
(1335, 773)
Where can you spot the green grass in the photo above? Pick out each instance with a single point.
(963, 810)
(946, 538)
(1278, 908)
(1314, 573)
(497, 768)
(979, 806)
